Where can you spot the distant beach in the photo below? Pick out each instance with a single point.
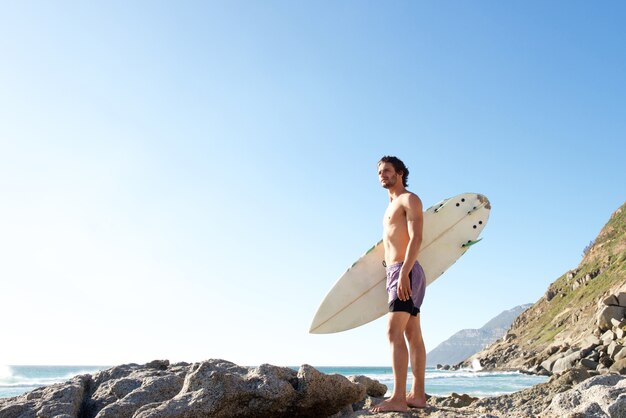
(16, 380)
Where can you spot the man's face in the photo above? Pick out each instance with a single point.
(387, 175)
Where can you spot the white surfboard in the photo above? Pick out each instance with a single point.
(451, 227)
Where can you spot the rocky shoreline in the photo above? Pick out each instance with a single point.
(218, 388)
(600, 349)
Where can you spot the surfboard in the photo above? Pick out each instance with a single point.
(451, 228)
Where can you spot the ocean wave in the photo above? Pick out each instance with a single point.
(462, 374)
(10, 379)
(470, 374)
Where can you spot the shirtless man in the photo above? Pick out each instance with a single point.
(402, 237)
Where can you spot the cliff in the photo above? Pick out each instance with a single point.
(580, 320)
(467, 342)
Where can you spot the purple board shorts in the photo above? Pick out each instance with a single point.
(418, 286)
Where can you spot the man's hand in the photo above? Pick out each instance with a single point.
(404, 287)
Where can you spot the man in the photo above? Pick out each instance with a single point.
(402, 237)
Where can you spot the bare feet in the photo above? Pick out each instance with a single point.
(390, 405)
(415, 401)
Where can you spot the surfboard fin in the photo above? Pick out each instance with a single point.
(470, 243)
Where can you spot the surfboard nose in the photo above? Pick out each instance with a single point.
(483, 200)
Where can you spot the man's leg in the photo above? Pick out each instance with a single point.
(399, 362)
(417, 397)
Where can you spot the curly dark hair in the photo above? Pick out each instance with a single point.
(398, 165)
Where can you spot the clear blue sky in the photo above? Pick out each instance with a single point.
(187, 180)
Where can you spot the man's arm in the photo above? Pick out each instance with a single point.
(415, 225)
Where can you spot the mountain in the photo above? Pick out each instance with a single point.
(579, 321)
(469, 341)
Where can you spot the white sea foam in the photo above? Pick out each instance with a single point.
(10, 379)
(468, 374)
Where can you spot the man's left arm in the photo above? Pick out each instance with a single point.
(415, 225)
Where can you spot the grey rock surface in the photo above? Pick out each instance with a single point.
(619, 367)
(608, 313)
(212, 388)
(618, 408)
(566, 362)
(373, 387)
(593, 397)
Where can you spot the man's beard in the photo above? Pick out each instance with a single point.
(391, 182)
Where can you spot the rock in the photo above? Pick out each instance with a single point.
(620, 333)
(594, 355)
(223, 389)
(591, 410)
(321, 394)
(543, 372)
(439, 366)
(572, 376)
(215, 388)
(621, 299)
(607, 337)
(552, 349)
(605, 360)
(618, 409)
(589, 364)
(550, 295)
(590, 342)
(372, 387)
(458, 401)
(620, 354)
(617, 323)
(158, 364)
(121, 390)
(619, 367)
(611, 300)
(566, 362)
(591, 398)
(604, 318)
(153, 389)
(549, 363)
(611, 349)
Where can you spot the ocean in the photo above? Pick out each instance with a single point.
(16, 380)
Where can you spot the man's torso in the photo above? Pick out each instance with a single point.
(395, 230)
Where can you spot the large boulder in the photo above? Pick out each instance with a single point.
(592, 398)
(608, 313)
(373, 387)
(567, 362)
(214, 388)
(590, 342)
(152, 389)
(619, 367)
(618, 408)
(620, 354)
(218, 388)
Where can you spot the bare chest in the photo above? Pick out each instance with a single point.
(394, 215)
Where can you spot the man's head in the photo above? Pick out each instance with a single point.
(389, 168)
